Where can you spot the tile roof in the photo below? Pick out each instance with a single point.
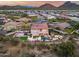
(39, 26)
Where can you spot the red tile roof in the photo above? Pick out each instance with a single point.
(39, 26)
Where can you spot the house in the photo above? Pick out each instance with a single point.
(39, 29)
(2, 32)
(40, 21)
(60, 25)
(11, 25)
(63, 25)
(17, 33)
(49, 16)
(2, 20)
(74, 18)
(23, 19)
(31, 14)
(64, 16)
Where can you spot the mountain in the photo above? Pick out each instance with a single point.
(5, 7)
(66, 6)
(47, 6)
(27, 6)
(69, 6)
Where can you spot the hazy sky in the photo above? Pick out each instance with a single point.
(33, 3)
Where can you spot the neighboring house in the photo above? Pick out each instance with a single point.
(40, 21)
(59, 25)
(64, 25)
(74, 18)
(2, 20)
(62, 16)
(39, 29)
(11, 25)
(2, 32)
(49, 16)
(31, 14)
(18, 33)
(23, 19)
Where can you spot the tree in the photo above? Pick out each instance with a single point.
(4, 38)
(76, 26)
(24, 15)
(26, 26)
(65, 49)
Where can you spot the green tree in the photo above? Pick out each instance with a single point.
(24, 15)
(76, 26)
(65, 49)
(25, 26)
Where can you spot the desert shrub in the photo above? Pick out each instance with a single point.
(65, 49)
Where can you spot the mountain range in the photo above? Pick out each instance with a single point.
(47, 6)
(66, 6)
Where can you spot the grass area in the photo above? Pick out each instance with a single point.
(24, 38)
(34, 18)
(58, 20)
(0, 26)
(13, 17)
(70, 30)
(35, 36)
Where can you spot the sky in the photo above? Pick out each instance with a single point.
(33, 3)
